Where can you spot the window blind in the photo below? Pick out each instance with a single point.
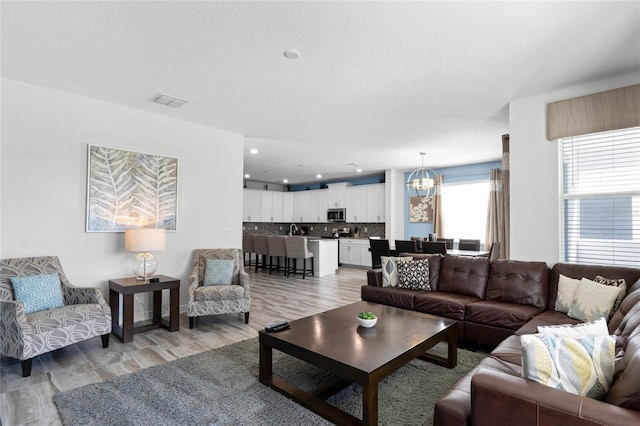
(601, 197)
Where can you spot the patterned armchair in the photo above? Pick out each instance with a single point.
(85, 314)
(218, 299)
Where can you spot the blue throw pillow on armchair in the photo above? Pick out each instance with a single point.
(218, 272)
(38, 292)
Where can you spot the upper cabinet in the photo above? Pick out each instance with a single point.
(251, 208)
(364, 203)
(337, 195)
(375, 203)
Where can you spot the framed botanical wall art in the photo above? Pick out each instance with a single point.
(420, 211)
(129, 190)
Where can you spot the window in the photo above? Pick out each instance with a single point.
(601, 198)
(464, 210)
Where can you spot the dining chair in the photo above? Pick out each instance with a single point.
(418, 241)
(406, 246)
(494, 253)
(247, 248)
(447, 241)
(378, 248)
(433, 247)
(465, 244)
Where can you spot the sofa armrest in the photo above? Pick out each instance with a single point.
(193, 285)
(499, 398)
(81, 295)
(244, 282)
(374, 277)
(15, 332)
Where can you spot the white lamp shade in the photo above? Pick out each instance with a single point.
(144, 239)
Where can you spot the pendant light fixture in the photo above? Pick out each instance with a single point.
(421, 182)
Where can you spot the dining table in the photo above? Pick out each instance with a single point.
(471, 253)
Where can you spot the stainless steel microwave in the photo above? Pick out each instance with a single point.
(336, 215)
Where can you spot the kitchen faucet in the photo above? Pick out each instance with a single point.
(292, 227)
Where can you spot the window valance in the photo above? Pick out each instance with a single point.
(599, 112)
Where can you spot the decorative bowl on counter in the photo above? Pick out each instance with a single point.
(367, 319)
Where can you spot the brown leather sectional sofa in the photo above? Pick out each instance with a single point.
(496, 302)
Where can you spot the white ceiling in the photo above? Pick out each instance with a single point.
(377, 82)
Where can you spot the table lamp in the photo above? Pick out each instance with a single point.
(144, 241)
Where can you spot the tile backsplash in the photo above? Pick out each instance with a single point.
(365, 230)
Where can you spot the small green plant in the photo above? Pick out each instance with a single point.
(367, 315)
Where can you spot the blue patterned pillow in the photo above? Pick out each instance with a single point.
(218, 272)
(582, 366)
(38, 292)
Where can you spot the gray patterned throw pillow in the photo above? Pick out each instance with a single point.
(620, 283)
(414, 274)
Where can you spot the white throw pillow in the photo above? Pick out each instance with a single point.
(593, 328)
(566, 293)
(593, 300)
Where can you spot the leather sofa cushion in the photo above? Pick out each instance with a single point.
(524, 283)
(629, 325)
(398, 297)
(464, 275)
(625, 389)
(509, 350)
(546, 318)
(630, 275)
(500, 314)
(435, 261)
(443, 304)
(630, 300)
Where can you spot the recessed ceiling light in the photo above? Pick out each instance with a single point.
(285, 180)
(318, 175)
(358, 170)
(291, 54)
(253, 151)
(247, 176)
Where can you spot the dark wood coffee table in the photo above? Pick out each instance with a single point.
(333, 341)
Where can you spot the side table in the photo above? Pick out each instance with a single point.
(127, 287)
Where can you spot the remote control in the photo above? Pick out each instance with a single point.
(277, 326)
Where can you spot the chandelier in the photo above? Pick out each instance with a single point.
(421, 182)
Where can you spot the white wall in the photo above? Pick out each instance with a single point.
(535, 174)
(44, 175)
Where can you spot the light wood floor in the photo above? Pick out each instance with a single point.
(28, 401)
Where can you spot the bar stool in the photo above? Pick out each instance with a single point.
(297, 249)
(261, 249)
(247, 248)
(277, 249)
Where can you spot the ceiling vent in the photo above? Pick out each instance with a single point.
(167, 100)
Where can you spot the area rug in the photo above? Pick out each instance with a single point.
(221, 387)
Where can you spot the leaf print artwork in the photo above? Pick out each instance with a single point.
(128, 190)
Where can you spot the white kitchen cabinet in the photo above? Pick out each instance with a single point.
(357, 204)
(301, 206)
(318, 206)
(287, 207)
(355, 252)
(277, 207)
(375, 203)
(337, 195)
(251, 205)
(266, 206)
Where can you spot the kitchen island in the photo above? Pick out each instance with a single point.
(325, 256)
